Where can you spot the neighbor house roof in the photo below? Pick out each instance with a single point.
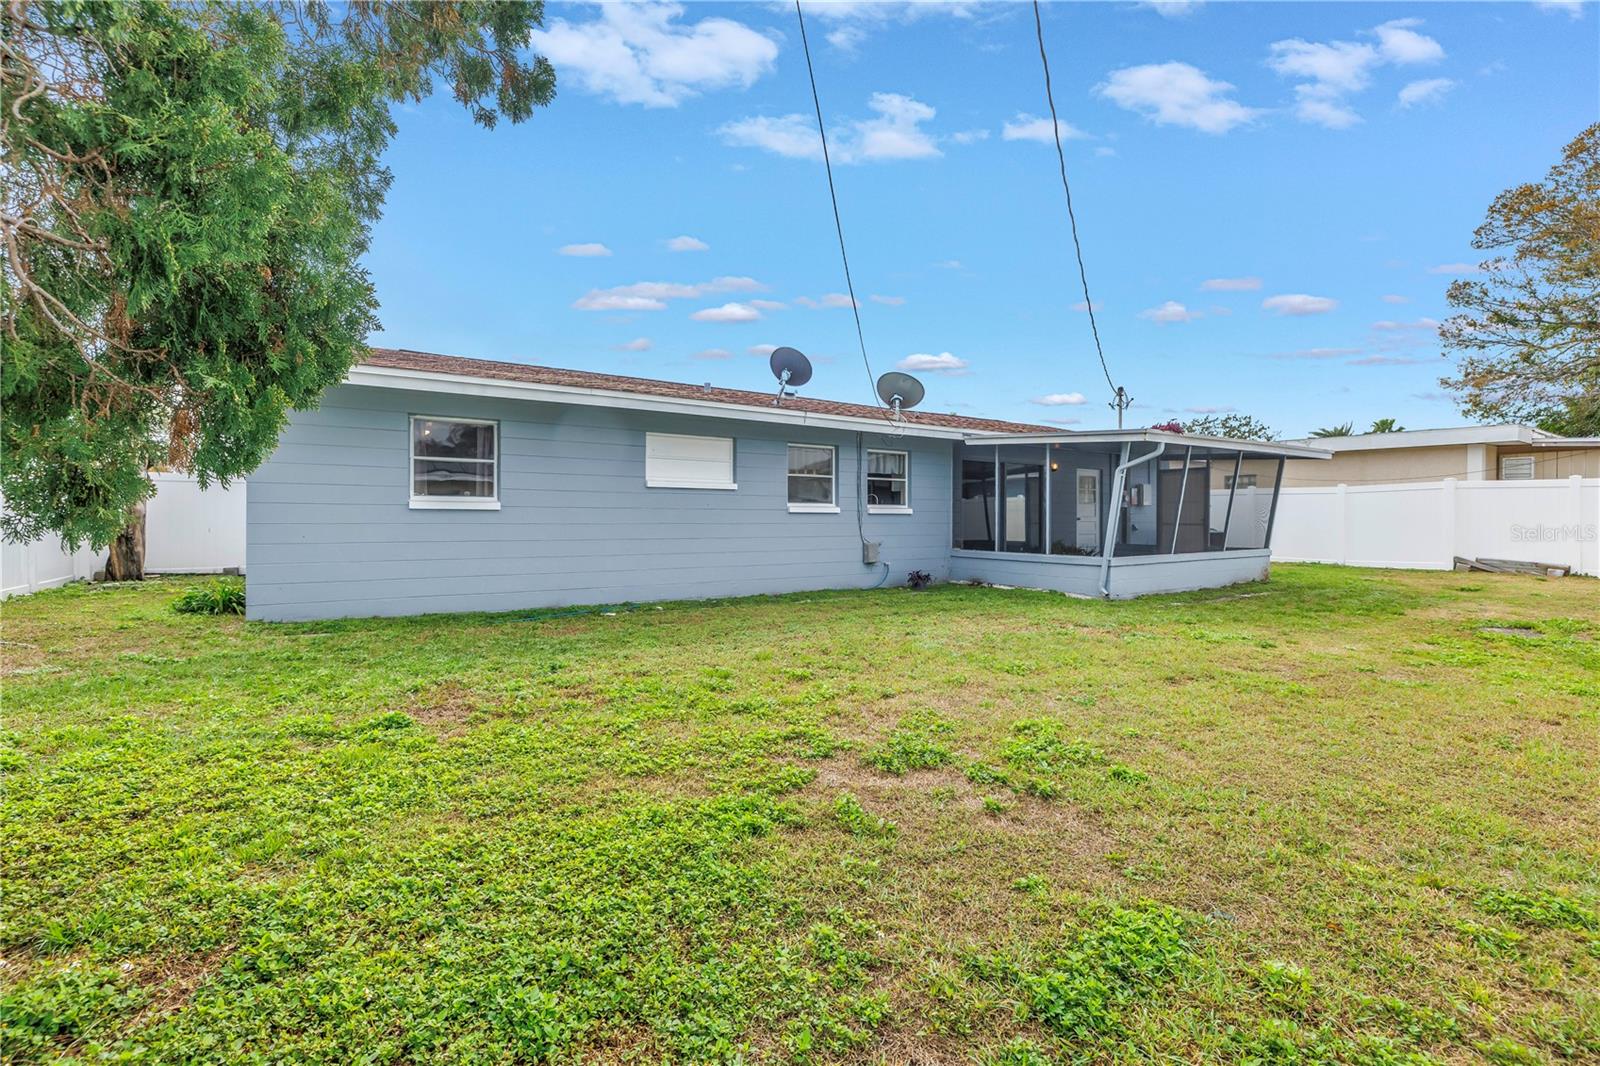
(403, 368)
(1505, 433)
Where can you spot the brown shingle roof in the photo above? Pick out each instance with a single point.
(404, 359)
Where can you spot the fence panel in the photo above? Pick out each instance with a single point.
(187, 531)
(1424, 526)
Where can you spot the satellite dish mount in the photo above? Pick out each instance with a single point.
(900, 392)
(791, 369)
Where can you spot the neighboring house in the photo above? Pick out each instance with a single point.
(1471, 453)
(430, 483)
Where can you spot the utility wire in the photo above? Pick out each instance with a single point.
(1061, 155)
(855, 306)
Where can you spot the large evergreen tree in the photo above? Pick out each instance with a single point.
(189, 189)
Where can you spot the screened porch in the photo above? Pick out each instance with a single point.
(1069, 509)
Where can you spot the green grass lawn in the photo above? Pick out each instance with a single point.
(1346, 816)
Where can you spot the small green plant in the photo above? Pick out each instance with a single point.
(911, 746)
(1541, 908)
(995, 805)
(848, 812)
(223, 596)
(1127, 775)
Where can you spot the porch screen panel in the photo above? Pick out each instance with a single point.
(975, 520)
(1022, 518)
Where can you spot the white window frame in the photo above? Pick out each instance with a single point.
(452, 503)
(831, 507)
(677, 483)
(866, 477)
(1519, 460)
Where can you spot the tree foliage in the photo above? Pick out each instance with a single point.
(1236, 426)
(1528, 330)
(189, 189)
(1386, 425)
(1344, 429)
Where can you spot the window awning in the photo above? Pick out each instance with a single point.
(1110, 438)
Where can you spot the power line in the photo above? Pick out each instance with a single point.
(838, 225)
(1122, 398)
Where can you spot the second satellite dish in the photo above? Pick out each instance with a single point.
(790, 368)
(900, 392)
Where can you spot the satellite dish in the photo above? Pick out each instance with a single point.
(900, 392)
(790, 368)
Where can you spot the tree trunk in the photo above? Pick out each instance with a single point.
(126, 562)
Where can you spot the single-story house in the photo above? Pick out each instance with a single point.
(1507, 452)
(429, 483)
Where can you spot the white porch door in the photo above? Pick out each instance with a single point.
(1089, 509)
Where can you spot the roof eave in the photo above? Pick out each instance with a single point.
(469, 385)
(1264, 449)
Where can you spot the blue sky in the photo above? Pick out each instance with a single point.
(1272, 199)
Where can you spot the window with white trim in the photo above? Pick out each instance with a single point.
(1516, 468)
(888, 482)
(1244, 481)
(680, 461)
(454, 463)
(811, 468)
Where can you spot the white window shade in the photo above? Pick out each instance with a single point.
(1516, 468)
(677, 461)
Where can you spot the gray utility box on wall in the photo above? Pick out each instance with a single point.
(869, 552)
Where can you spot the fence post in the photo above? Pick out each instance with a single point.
(1575, 494)
(1447, 522)
(1342, 523)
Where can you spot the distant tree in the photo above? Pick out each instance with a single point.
(1345, 430)
(189, 190)
(1237, 426)
(1528, 331)
(1386, 425)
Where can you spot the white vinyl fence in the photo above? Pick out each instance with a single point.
(187, 531)
(1425, 526)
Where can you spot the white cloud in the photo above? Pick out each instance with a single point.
(1571, 8)
(830, 301)
(1399, 43)
(1329, 72)
(1230, 285)
(687, 244)
(641, 54)
(1456, 269)
(948, 264)
(713, 353)
(1299, 304)
(854, 21)
(943, 363)
(1173, 9)
(847, 38)
(1318, 353)
(894, 133)
(1060, 399)
(1105, 153)
(1389, 360)
(767, 305)
(1082, 306)
(1026, 127)
(1176, 94)
(728, 312)
(1062, 421)
(887, 301)
(1170, 311)
(653, 295)
(1423, 324)
(1426, 91)
(638, 344)
(1392, 298)
(762, 350)
(969, 136)
(1221, 410)
(584, 251)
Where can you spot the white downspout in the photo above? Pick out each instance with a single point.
(1112, 520)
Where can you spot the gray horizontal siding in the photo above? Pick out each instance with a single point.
(330, 532)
